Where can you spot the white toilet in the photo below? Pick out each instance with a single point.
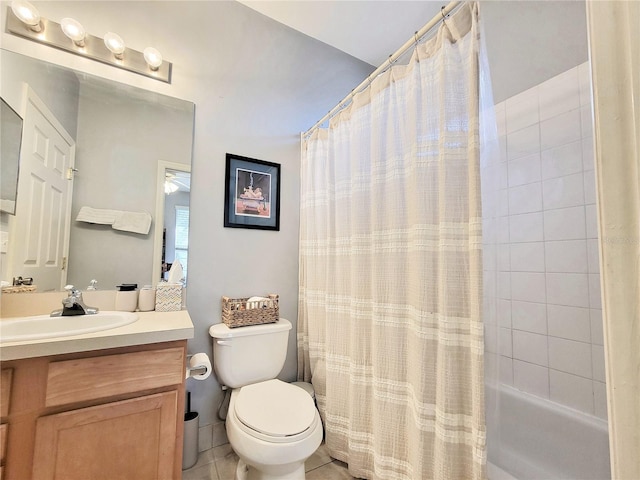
(272, 426)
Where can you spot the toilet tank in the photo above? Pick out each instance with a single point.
(246, 355)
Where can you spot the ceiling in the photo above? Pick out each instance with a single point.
(369, 30)
(527, 42)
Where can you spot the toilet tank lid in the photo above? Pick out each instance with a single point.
(220, 330)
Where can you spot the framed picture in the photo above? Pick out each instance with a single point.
(251, 193)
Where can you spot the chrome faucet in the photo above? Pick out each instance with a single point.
(73, 304)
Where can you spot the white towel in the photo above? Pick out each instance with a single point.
(257, 302)
(97, 215)
(136, 222)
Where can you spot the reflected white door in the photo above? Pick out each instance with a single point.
(39, 233)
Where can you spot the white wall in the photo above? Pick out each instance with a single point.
(529, 42)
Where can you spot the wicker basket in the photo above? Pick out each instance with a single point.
(239, 312)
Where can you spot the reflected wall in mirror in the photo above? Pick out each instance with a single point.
(121, 133)
(10, 139)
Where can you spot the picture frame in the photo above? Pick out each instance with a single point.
(251, 193)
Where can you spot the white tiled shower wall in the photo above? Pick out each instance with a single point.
(544, 333)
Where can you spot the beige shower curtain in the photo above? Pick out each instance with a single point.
(614, 44)
(389, 327)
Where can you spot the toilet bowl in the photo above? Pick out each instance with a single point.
(273, 427)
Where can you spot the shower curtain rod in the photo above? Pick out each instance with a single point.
(444, 11)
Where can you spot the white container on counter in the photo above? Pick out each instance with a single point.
(127, 297)
(147, 299)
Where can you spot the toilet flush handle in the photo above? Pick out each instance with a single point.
(224, 343)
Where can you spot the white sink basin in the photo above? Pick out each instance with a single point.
(43, 326)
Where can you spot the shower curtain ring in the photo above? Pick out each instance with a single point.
(444, 17)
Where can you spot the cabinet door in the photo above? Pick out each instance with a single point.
(5, 390)
(131, 439)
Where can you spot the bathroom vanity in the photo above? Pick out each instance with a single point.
(101, 405)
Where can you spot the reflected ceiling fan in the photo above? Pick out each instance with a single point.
(177, 181)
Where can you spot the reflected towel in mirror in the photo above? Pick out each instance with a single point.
(136, 222)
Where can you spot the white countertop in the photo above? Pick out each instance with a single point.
(151, 327)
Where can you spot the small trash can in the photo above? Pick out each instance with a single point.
(190, 440)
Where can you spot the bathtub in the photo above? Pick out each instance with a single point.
(533, 438)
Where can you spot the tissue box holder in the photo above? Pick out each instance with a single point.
(236, 312)
(168, 297)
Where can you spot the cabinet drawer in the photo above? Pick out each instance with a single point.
(5, 391)
(93, 378)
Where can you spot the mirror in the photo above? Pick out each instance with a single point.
(121, 138)
(172, 202)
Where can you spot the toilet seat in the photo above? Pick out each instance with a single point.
(275, 411)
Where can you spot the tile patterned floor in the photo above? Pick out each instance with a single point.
(219, 463)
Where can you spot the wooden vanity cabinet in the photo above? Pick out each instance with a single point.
(5, 395)
(104, 414)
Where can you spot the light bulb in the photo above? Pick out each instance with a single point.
(115, 44)
(27, 13)
(73, 30)
(153, 58)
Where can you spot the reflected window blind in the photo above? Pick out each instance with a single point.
(182, 236)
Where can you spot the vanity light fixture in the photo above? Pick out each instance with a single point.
(27, 14)
(153, 58)
(24, 21)
(115, 44)
(74, 30)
